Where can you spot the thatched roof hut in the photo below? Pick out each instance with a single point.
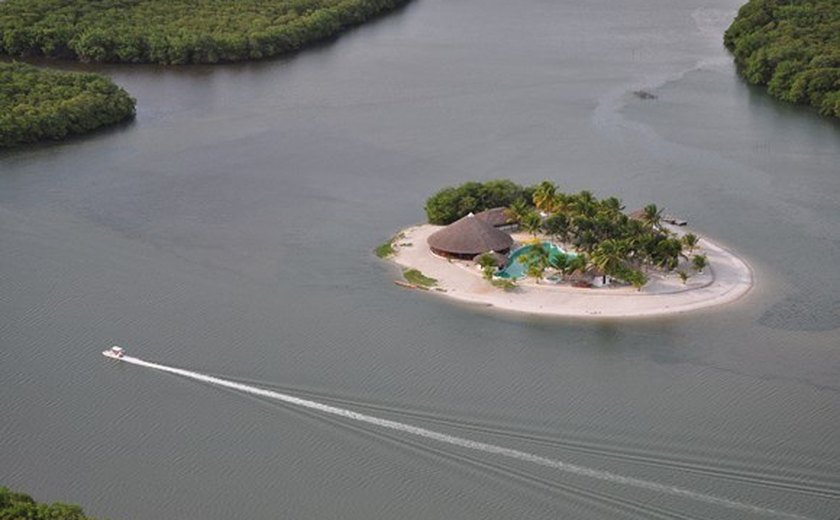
(497, 217)
(468, 237)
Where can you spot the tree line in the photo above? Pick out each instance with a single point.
(38, 104)
(19, 506)
(604, 236)
(451, 203)
(174, 31)
(791, 47)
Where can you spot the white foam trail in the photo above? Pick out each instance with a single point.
(470, 444)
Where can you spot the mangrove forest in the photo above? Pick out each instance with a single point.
(175, 31)
(19, 506)
(38, 104)
(791, 47)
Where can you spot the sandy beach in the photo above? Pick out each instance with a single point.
(726, 279)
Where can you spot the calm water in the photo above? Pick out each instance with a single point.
(229, 231)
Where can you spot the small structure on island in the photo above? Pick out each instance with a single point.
(468, 237)
(500, 218)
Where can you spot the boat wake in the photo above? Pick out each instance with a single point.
(461, 442)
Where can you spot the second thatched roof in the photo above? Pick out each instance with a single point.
(469, 236)
(496, 217)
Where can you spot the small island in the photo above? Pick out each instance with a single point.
(175, 31)
(541, 251)
(41, 105)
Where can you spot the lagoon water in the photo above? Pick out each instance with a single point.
(229, 230)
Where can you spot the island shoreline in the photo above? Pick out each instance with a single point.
(728, 279)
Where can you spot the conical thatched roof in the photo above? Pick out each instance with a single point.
(469, 236)
(496, 217)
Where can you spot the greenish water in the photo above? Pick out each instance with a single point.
(229, 230)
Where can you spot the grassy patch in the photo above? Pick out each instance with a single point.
(417, 278)
(385, 250)
(502, 283)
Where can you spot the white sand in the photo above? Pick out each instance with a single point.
(726, 279)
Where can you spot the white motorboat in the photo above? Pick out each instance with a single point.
(114, 352)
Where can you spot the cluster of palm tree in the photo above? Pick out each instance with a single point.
(618, 245)
(539, 258)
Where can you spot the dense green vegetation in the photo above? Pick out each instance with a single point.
(793, 47)
(450, 204)
(604, 237)
(38, 104)
(18, 506)
(174, 31)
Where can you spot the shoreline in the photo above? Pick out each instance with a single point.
(727, 279)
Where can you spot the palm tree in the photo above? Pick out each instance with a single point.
(612, 205)
(560, 202)
(699, 262)
(579, 262)
(586, 241)
(560, 262)
(518, 210)
(557, 225)
(543, 197)
(609, 256)
(690, 240)
(667, 253)
(584, 203)
(535, 271)
(488, 265)
(652, 216)
(532, 223)
(536, 260)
